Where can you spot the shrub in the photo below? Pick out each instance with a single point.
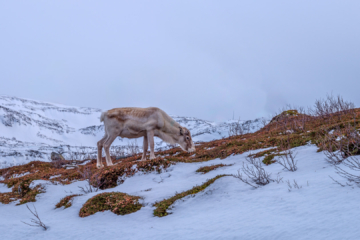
(256, 174)
(31, 195)
(22, 188)
(117, 202)
(287, 160)
(238, 128)
(35, 222)
(332, 106)
(340, 143)
(23, 192)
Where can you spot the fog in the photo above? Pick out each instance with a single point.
(207, 59)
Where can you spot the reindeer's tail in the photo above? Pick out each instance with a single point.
(102, 116)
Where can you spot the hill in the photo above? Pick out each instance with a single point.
(270, 184)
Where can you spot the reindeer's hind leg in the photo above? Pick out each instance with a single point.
(150, 137)
(100, 146)
(107, 145)
(145, 148)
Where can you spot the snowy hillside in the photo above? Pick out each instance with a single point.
(227, 209)
(31, 130)
(296, 178)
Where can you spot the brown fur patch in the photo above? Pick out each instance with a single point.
(123, 113)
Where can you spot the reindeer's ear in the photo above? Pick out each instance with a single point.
(181, 131)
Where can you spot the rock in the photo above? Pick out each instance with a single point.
(56, 157)
(121, 157)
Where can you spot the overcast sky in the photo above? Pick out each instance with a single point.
(205, 59)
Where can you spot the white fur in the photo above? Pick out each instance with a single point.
(102, 116)
(140, 122)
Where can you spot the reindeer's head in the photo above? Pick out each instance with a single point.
(185, 140)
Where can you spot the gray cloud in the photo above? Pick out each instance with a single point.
(206, 59)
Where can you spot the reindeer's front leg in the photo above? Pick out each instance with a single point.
(150, 138)
(100, 144)
(145, 148)
(107, 145)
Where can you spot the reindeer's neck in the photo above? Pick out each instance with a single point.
(170, 125)
(170, 132)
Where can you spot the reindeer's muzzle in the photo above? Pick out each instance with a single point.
(192, 149)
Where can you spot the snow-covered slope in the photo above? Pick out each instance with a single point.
(227, 209)
(31, 130)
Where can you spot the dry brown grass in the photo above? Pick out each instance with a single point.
(22, 192)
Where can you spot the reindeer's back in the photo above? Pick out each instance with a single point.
(123, 114)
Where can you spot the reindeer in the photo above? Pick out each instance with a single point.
(141, 122)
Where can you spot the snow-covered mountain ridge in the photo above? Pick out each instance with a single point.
(31, 130)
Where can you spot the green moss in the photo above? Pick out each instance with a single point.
(207, 169)
(162, 206)
(269, 159)
(263, 153)
(291, 113)
(117, 202)
(66, 201)
(284, 114)
(298, 141)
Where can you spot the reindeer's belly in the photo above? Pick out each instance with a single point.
(135, 128)
(132, 130)
(129, 133)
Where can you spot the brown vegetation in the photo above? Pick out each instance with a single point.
(23, 192)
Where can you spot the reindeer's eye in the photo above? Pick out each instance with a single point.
(187, 138)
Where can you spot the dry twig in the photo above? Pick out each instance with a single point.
(288, 160)
(257, 176)
(36, 221)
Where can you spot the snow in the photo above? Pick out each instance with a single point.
(4, 188)
(227, 209)
(19, 175)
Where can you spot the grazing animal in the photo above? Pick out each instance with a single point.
(141, 122)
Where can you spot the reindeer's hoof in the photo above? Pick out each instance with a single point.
(100, 166)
